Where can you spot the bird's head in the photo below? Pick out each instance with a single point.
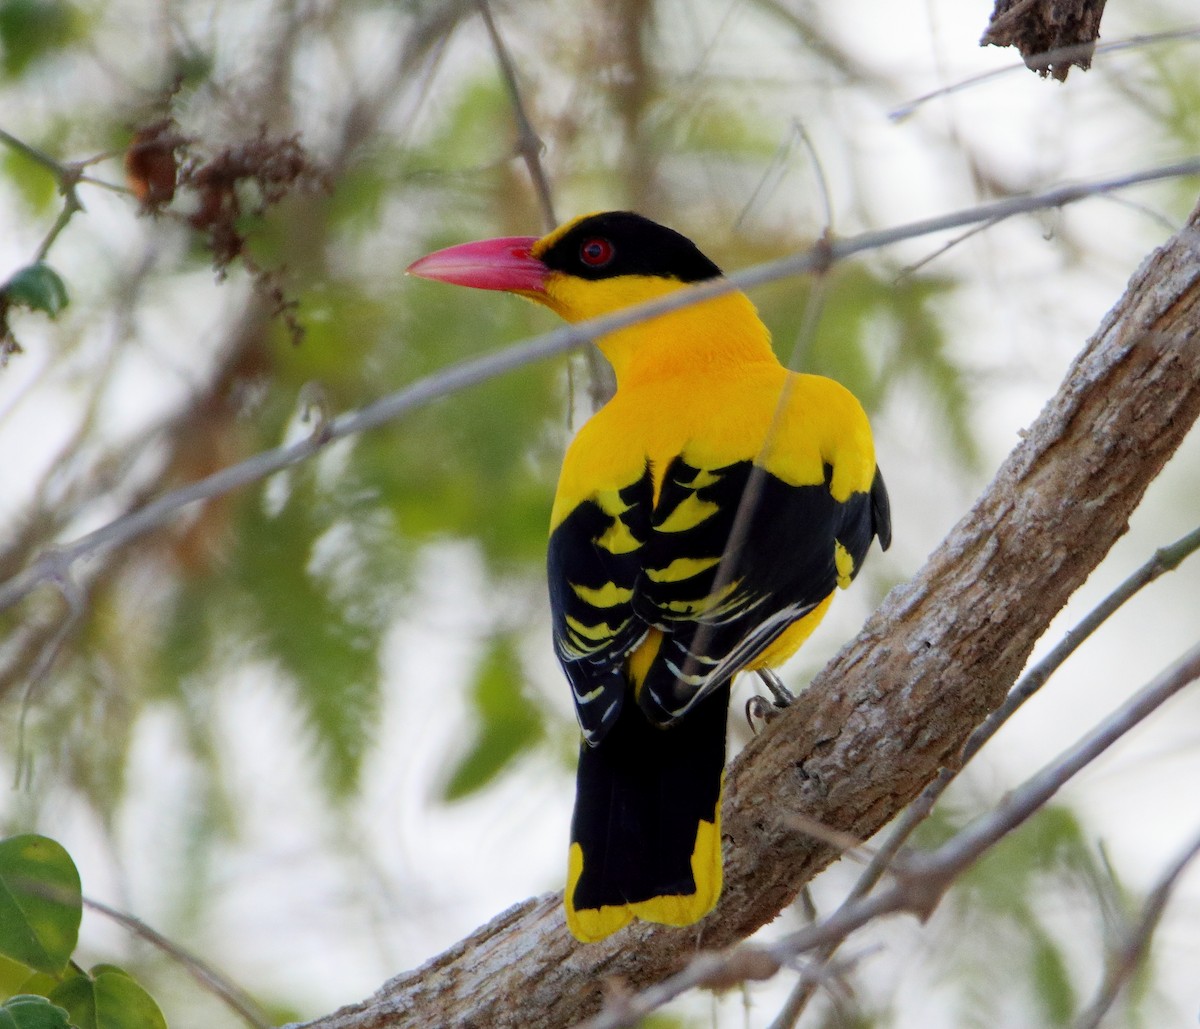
(588, 267)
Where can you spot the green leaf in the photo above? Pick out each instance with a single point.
(38, 287)
(108, 998)
(40, 902)
(508, 722)
(17, 978)
(12, 977)
(29, 1012)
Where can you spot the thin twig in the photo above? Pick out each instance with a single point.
(1044, 60)
(66, 175)
(457, 377)
(237, 999)
(927, 876)
(529, 143)
(1164, 560)
(1123, 962)
(71, 206)
(962, 237)
(531, 148)
(798, 131)
(76, 608)
(55, 168)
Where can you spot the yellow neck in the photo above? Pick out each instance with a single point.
(696, 340)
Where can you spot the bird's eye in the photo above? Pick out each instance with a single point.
(596, 252)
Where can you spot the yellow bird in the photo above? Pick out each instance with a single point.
(703, 519)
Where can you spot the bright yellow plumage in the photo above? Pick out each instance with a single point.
(703, 519)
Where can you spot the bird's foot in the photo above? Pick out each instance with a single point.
(781, 696)
(760, 710)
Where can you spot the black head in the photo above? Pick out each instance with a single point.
(603, 246)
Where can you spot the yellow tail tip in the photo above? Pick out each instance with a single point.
(589, 925)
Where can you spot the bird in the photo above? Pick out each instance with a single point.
(704, 518)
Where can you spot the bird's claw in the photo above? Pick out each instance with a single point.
(761, 710)
(781, 696)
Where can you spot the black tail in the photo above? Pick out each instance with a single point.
(645, 839)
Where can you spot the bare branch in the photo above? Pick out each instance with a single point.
(233, 996)
(1125, 959)
(529, 143)
(1056, 55)
(1165, 559)
(898, 702)
(925, 877)
(471, 373)
(66, 175)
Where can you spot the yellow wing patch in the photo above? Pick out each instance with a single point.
(643, 657)
(690, 513)
(617, 539)
(713, 603)
(608, 595)
(682, 568)
(600, 631)
(702, 478)
(844, 563)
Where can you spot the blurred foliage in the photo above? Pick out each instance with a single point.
(31, 30)
(1024, 913)
(508, 723)
(386, 133)
(33, 181)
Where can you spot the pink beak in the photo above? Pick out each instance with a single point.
(504, 264)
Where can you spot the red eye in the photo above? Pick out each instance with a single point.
(596, 252)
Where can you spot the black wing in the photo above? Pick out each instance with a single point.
(734, 557)
(593, 564)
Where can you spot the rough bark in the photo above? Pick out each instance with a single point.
(1052, 36)
(898, 702)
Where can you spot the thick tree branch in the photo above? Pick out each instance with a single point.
(923, 879)
(1165, 559)
(899, 701)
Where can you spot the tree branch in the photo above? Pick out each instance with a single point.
(228, 992)
(1128, 954)
(897, 703)
(1164, 560)
(529, 143)
(52, 564)
(923, 879)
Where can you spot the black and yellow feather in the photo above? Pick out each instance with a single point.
(703, 520)
(656, 601)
